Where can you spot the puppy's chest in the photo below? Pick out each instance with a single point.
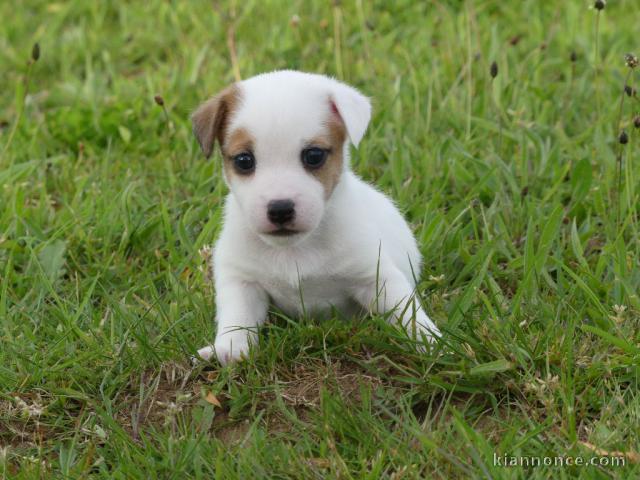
(311, 295)
(314, 288)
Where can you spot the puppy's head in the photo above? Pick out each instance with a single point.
(283, 137)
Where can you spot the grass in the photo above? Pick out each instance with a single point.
(511, 186)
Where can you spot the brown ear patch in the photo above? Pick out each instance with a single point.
(211, 118)
(329, 174)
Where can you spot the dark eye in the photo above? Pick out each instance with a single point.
(244, 162)
(314, 157)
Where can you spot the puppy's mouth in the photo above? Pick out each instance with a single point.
(283, 232)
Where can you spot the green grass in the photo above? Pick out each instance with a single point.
(511, 186)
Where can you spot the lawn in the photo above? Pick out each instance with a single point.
(516, 179)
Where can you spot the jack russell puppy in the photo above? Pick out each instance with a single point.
(301, 230)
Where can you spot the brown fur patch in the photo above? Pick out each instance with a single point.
(329, 174)
(211, 118)
(238, 141)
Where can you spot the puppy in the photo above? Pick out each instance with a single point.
(301, 230)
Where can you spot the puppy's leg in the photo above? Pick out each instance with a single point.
(241, 308)
(391, 291)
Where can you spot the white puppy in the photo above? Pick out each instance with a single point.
(301, 229)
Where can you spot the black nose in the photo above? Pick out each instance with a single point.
(281, 211)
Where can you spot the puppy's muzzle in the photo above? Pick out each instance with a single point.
(281, 212)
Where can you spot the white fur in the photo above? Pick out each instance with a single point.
(355, 250)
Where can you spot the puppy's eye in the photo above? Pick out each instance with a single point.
(244, 162)
(314, 157)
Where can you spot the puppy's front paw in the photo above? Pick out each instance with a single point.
(204, 353)
(422, 328)
(231, 346)
(227, 348)
(429, 331)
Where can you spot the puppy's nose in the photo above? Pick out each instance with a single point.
(281, 211)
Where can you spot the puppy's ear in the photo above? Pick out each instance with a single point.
(354, 109)
(210, 119)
